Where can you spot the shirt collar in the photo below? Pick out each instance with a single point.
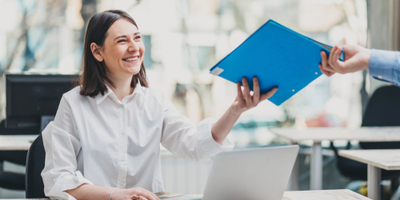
(138, 90)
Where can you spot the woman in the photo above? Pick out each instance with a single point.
(105, 140)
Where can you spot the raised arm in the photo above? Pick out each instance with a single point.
(382, 64)
(243, 102)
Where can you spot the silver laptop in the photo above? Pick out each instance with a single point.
(259, 174)
(255, 174)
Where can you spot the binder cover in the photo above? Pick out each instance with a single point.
(278, 56)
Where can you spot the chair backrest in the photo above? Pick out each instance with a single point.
(383, 109)
(34, 166)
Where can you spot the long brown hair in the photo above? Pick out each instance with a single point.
(94, 78)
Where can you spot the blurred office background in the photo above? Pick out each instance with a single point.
(184, 39)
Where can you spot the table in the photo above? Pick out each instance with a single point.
(317, 135)
(323, 194)
(376, 160)
(16, 142)
(309, 195)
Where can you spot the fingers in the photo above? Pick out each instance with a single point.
(333, 58)
(246, 100)
(145, 197)
(246, 91)
(240, 94)
(253, 100)
(256, 91)
(268, 94)
(334, 61)
(143, 194)
(139, 198)
(327, 73)
(135, 197)
(330, 58)
(325, 62)
(142, 198)
(153, 196)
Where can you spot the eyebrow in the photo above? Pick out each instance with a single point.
(123, 36)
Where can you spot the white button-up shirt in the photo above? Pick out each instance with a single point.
(106, 142)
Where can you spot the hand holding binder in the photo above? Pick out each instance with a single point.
(245, 100)
(357, 58)
(278, 56)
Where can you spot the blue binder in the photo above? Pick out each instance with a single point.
(278, 56)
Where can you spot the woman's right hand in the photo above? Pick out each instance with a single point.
(136, 193)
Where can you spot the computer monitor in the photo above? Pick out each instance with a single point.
(32, 99)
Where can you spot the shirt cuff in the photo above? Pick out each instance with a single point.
(67, 182)
(210, 147)
(382, 65)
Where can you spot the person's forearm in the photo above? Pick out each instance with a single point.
(86, 191)
(224, 125)
(385, 65)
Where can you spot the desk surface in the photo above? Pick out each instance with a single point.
(364, 134)
(323, 194)
(16, 142)
(385, 159)
(309, 195)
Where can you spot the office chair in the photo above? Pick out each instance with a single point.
(34, 166)
(383, 109)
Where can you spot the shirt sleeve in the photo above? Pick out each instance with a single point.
(62, 147)
(385, 65)
(186, 140)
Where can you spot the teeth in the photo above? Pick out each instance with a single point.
(131, 59)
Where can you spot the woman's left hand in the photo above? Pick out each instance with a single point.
(245, 100)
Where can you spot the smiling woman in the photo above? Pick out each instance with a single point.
(104, 142)
(113, 53)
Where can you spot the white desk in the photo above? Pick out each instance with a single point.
(376, 160)
(364, 134)
(16, 142)
(309, 195)
(323, 195)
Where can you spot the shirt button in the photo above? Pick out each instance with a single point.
(380, 77)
